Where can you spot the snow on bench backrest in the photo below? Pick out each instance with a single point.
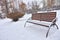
(47, 16)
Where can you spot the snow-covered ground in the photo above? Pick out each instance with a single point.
(16, 31)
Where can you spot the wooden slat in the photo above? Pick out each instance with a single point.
(48, 16)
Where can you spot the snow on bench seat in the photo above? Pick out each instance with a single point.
(40, 22)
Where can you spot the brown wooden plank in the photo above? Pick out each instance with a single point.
(48, 16)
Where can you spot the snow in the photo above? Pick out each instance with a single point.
(40, 22)
(26, 1)
(16, 30)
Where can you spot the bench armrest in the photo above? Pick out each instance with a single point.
(54, 20)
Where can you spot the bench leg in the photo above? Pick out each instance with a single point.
(48, 30)
(57, 26)
(25, 24)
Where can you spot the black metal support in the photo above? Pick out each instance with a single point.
(48, 30)
(26, 22)
(50, 27)
(57, 26)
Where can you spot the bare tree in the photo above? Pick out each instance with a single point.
(22, 7)
(34, 6)
(3, 7)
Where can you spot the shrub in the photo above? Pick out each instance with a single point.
(15, 16)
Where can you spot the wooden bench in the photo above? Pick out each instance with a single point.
(47, 19)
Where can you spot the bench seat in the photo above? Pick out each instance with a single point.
(40, 22)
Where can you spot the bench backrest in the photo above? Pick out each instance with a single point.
(48, 16)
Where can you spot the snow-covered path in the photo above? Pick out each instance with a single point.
(16, 31)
